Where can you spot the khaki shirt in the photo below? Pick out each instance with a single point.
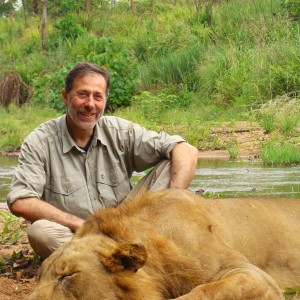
(53, 168)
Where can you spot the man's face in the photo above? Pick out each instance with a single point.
(86, 101)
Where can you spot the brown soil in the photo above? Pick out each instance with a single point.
(18, 274)
(19, 278)
(246, 137)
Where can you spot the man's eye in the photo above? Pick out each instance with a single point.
(98, 97)
(82, 95)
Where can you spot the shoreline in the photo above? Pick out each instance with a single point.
(201, 153)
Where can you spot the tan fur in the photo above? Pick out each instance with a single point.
(167, 244)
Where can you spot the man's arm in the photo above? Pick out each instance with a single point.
(183, 164)
(33, 209)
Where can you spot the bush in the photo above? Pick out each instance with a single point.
(102, 51)
(151, 106)
(292, 7)
(121, 66)
(281, 113)
(68, 28)
(47, 89)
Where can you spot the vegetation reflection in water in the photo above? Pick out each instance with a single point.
(216, 177)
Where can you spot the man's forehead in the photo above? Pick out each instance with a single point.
(88, 81)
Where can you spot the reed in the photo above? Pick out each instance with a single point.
(284, 153)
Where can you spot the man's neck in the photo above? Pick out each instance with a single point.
(81, 137)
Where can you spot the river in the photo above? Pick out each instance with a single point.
(215, 176)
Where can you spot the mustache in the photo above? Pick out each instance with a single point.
(90, 111)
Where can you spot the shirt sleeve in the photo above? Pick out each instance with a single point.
(147, 148)
(29, 179)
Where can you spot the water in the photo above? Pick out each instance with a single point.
(7, 168)
(217, 177)
(246, 178)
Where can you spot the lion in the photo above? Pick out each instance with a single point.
(175, 244)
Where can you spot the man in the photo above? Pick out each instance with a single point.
(71, 166)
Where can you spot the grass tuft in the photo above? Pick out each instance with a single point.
(284, 153)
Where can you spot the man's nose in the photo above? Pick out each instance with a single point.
(90, 101)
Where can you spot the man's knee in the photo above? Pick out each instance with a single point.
(45, 236)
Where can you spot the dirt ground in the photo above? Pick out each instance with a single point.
(19, 277)
(18, 273)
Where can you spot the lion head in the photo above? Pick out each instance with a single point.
(95, 267)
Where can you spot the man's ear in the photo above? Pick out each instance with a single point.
(64, 96)
(125, 257)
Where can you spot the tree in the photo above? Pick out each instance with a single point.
(132, 7)
(88, 7)
(44, 25)
(24, 12)
(11, 7)
(152, 7)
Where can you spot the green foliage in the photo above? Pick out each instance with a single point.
(225, 61)
(102, 51)
(10, 30)
(280, 154)
(18, 260)
(292, 7)
(68, 27)
(25, 119)
(233, 150)
(282, 113)
(112, 55)
(151, 106)
(173, 69)
(268, 122)
(64, 7)
(47, 89)
(211, 195)
(12, 231)
(204, 15)
(291, 291)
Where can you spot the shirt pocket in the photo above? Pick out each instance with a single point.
(113, 187)
(71, 197)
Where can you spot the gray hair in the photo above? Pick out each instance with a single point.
(82, 69)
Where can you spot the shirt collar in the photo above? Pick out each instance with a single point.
(67, 141)
(99, 134)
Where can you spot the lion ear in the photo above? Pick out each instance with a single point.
(126, 257)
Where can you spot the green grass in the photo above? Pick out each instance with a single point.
(274, 153)
(233, 150)
(292, 294)
(12, 230)
(281, 113)
(16, 123)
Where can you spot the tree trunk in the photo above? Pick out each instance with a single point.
(44, 25)
(132, 7)
(152, 7)
(88, 7)
(11, 8)
(24, 12)
(35, 7)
